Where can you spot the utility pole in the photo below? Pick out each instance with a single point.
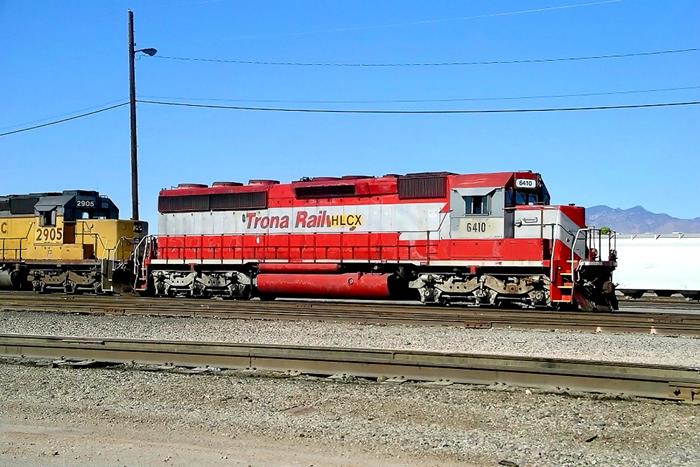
(132, 118)
(132, 115)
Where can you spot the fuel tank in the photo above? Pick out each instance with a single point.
(349, 285)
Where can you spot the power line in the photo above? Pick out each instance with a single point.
(416, 101)
(56, 122)
(428, 64)
(364, 111)
(435, 111)
(61, 115)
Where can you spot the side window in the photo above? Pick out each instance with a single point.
(47, 218)
(476, 205)
(510, 198)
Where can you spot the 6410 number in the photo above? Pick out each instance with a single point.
(476, 227)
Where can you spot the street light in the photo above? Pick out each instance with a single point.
(132, 112)
(150, 52)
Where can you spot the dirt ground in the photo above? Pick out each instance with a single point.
(26, 441)
(122, 417)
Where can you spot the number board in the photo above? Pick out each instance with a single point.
(85, 203)
(525, 183)
(49, 235)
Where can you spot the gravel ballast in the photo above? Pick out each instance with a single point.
(347, 423)
(636, 348)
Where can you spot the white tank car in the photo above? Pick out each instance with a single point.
(663, 264)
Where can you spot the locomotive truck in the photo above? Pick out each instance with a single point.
(491, 238)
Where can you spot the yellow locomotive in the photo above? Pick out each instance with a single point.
(71, 241)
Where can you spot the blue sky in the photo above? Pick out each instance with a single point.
(61, 57)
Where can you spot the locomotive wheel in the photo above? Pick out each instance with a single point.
(39, 286)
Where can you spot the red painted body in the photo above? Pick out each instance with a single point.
(351, 285)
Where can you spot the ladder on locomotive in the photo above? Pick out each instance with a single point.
(564, 276)
(141, 262)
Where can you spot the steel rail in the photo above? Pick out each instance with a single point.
(642, 303)
(662, 323)
(660, 303)
(639, 380)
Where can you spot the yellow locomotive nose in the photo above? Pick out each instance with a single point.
(70, 241)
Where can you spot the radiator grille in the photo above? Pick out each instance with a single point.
(217, 202)
(239, 201)
(422, 187)
(325, 191)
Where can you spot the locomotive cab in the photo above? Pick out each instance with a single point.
(489, 211)
(578, 261)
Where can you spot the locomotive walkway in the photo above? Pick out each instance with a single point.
(673, 324)
(651, 381)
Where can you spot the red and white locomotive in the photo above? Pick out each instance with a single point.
(439, 237)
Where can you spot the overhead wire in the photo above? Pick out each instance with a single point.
(416, 101)
(430, 64)
(61, 115)
(63, 120)
(431, 111)
(357, 111)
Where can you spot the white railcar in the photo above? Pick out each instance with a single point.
(662, 264)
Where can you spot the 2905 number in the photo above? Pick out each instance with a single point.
(47, 234)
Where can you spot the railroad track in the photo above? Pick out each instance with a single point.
(659, 303)
(658, 323)
(675, 324)
(650, 381)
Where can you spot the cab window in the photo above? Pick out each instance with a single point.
(47, 218)
(526, 197)
(476, 205)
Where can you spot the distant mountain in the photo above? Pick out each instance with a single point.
(639, 220)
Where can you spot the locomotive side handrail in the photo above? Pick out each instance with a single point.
(380, 253)
(17, 251)
(590, 235)
(96, 237)
(265, 252)
(140, 261)
(261, 253)
(112, 252)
